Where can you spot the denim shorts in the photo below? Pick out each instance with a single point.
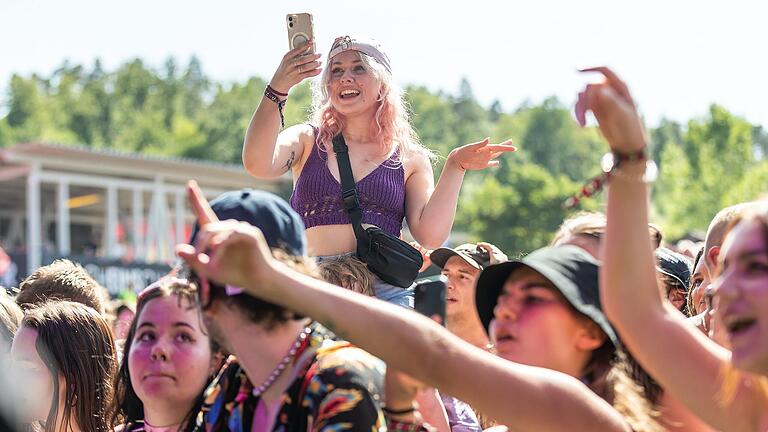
(384, 291)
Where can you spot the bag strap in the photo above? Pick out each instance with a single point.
(348, 191)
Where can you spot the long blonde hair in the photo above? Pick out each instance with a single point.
(390, 125)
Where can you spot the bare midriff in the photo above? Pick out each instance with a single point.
(327, 240)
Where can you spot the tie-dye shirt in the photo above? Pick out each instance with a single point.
(336, 387)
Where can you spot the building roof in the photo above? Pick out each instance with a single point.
(115, 163)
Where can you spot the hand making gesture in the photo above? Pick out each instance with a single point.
(227, 252)
(615, 111)
(479, 155)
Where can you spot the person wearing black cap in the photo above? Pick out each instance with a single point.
(544, 310)
(675, 273)
(462, 265)
(277, 354)
(587, 230)
(528, 398)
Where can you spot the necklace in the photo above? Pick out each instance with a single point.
(258, 391)
(149, 428)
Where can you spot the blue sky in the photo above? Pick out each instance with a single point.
(678, 56)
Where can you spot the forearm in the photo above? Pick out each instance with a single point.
(628, 273)
(635, 306)
(259, 147)
(516, 395)
(436, 219)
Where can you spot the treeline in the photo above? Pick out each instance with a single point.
(177, 110)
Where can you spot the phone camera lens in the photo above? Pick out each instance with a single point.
(290, 18)
(290, 24)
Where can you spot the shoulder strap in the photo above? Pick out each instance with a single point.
(348, 191)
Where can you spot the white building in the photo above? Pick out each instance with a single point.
(119, 214)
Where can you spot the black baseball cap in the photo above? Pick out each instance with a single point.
(674, 265)
(282, 227)
(569, 268)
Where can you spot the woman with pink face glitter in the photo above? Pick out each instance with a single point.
(168, 361)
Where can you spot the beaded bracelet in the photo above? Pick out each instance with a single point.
(271, 95)
(398, 426)
(408, 410)
(272, 89)
(610, 164)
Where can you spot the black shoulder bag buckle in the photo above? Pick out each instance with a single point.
(391, 259)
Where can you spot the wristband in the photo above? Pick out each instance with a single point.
(404, 411)
(270, 94)
(272, 89)
(396, 426)
(610, 164)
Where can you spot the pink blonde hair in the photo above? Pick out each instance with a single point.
(390, 125)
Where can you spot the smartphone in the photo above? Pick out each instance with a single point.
(429, 298)
(300, 29)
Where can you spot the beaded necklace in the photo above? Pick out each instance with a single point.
(258, 391)
(172, 428)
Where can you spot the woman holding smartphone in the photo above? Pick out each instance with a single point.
(357, 98)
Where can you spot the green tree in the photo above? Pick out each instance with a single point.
(431, 113)
(716, 153)
(520, 213)
(553, 140)
(752, 186)
(471, 119)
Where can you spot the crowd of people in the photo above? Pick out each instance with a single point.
(278, 319)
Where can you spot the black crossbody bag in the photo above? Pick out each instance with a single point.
(388, 257)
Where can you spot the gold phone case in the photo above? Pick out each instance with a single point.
(300, 29)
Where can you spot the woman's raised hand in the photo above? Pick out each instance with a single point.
(297, 65)
(615, 111)
(479, 155)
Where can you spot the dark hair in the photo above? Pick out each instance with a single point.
(609, 374)
(74, 341)
(61, 280)
(127, 408)
(689, 297)
(670, 284)
(123, 307)
(259, 311)
(10, 319)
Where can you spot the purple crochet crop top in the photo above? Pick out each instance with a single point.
(317, 194)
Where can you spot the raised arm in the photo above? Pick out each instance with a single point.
(522, 397)
(681, 358)
(265, 153)
(431, 209)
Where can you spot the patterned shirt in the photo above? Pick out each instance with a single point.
(461, 417)
(336, 387)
